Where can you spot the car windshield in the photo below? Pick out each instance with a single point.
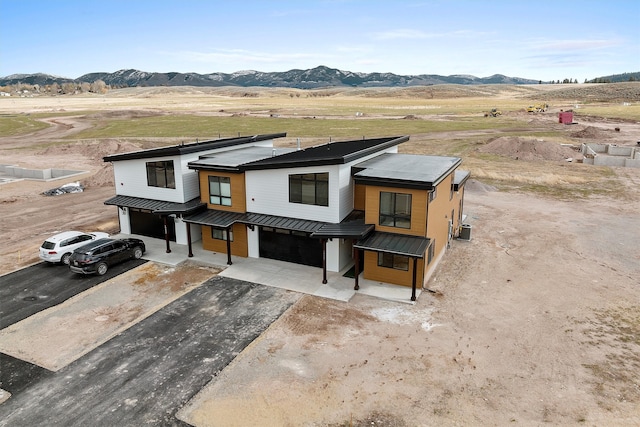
(48, 245)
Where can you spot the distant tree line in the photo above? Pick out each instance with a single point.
(565, 81)
(617, 78)
(68, 88)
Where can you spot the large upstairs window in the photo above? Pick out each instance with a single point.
(220, 190)
(161, 174)
(395, 209)
(309, 189)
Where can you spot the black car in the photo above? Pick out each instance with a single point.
(97, 256)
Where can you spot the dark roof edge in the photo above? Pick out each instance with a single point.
(335, 160)
(451, 169)
(459, 181)
(362, 153)
(395, 183)
(176, 150)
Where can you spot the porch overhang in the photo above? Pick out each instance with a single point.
(345, 230)
(398, 244)
(225, 219)
(160, 207)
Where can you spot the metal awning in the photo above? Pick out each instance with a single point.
(156, 206)
(224, 219)
(286, 223)
(344, 230)
(399, 244)
(215, 218)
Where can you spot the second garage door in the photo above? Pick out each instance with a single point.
(290, 246)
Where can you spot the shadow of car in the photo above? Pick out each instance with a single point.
(96, 257)
(58, 248)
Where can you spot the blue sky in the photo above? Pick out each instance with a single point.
(540, 39)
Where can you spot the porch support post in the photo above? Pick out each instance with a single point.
(356, 268)
(229, 245)
(166, 232)
(324, 260)
(189, 239)
(413, 285)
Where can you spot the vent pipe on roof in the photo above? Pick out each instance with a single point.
(298, 142)
(273, 152)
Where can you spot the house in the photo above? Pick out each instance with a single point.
(155, 189)
(357, 204)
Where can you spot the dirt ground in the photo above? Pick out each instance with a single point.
(533, 321)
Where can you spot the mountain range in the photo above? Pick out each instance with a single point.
(317, 77)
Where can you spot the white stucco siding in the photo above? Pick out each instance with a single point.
(131, 180)
(253, 243)
(345, 191)
(268, 193)
(125, 224)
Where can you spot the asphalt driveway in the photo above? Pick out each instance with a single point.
(145, 374)
(27, 291)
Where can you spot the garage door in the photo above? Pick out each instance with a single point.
(148, 224)
(290, 246)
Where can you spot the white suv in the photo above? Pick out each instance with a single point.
(58, 248)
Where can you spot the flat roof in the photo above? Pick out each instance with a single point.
(405, 170)
(327, 154)
(232, 160)
(459, 178)
(194, 147)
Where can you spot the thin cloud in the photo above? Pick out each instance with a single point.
(574, 45)
(413, 34)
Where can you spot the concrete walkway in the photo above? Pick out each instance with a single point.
(278, 274)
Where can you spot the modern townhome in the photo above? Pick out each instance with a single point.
(155, 188)
(355, 205)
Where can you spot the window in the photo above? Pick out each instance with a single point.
(399, 262)
(161, 174)
(220, 190)
(219, 234)
(433, 194)
(431, 251)
(395, 209)
(309, 189)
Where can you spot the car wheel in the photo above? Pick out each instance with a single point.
(102, 268)
(65, 258)
(137, 252)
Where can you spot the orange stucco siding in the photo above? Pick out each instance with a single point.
(238, 246)
(391, 275)
(418, 209)
(440, 213)
(359, 192)
(429, 218)
(238, 193)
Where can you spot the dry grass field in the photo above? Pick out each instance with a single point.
(534, 321)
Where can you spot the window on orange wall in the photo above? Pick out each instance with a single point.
(395, 209)
(220, 234)
(398, 262)
(220, 190)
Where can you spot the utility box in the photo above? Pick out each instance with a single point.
(465, 232)
(565, 117)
